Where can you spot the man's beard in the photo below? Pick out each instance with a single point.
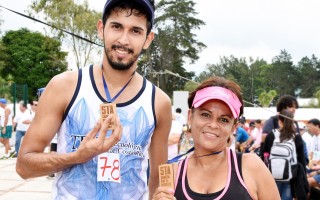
(118, 64)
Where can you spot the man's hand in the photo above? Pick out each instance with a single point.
(92, 145)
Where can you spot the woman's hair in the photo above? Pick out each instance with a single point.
(221, 82)
(288, 130)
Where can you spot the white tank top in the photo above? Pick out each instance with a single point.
(137, 117)
(2, 116)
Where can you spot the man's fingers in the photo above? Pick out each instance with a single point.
(94, 131)
(115, 136)
(104, 127)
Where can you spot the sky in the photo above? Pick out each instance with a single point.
(256, 28)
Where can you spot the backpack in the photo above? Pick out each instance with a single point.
(283, 158)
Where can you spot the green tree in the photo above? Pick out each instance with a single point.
(282, 74)
(33, 59)
(309, 75)
(174, 43)
(75, 18)
(265, 98)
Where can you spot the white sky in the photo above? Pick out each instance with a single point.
(257, 28)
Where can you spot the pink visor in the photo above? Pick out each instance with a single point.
(216, 92)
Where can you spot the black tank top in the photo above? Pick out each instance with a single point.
(236, 189)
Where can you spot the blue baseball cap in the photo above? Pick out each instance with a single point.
(2, 100)
(40, 91)
(146, 4)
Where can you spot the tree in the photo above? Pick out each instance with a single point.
(33, 59)
(75, 18)
(265, 98)
(309, 75)
(283, 74)
(174, 43)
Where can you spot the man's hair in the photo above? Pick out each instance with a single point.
(133, 7)
(315, 122)
(286, 101)
(178, 110)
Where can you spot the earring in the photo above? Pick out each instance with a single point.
(189, 128)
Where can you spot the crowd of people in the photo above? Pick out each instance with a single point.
(117, 156)
(18, 124)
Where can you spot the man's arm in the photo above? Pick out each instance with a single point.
(32, 162)
(158, 151)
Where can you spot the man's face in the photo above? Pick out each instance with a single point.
(124, 38)
(313, 129)
(292, 109)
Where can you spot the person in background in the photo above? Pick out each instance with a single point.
(174, 137)
(313, 127)
(214, 171)
(180, 117)
(307, 138)
(242, 137)
(21, 121)
(6, 128)
(297, 186)
(285, 102)
(93, 162)
(256, 135)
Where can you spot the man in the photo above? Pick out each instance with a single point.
(242, 136)
(89, 164)
(6, 128)
(22, 121)
(180, 117)
(286, 102)
(314, 154)
(174, 137)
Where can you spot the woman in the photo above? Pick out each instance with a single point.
(298, 186)
(214, 171)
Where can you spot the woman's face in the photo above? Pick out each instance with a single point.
(211, 125)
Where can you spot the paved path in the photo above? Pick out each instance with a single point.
(13, 187)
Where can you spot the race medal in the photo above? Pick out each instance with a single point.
(166, 176)
(105, 110)
(108, 168)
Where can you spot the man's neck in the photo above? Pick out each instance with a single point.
(117, 77)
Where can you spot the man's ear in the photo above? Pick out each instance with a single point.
(148, 41)
(100, 28)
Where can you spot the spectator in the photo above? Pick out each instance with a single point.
(242, 137)
(174, 136)
(21, 121)
(292, 188)
(6, 128)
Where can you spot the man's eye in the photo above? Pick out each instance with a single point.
(136, 31)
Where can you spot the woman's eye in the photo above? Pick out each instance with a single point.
(225, 120)
(206, 115)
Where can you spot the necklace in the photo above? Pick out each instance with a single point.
(177, 158)
(109, 99)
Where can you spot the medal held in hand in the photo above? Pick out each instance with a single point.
(166, 176)
(107, 109)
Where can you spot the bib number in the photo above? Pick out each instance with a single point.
(109, 167)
